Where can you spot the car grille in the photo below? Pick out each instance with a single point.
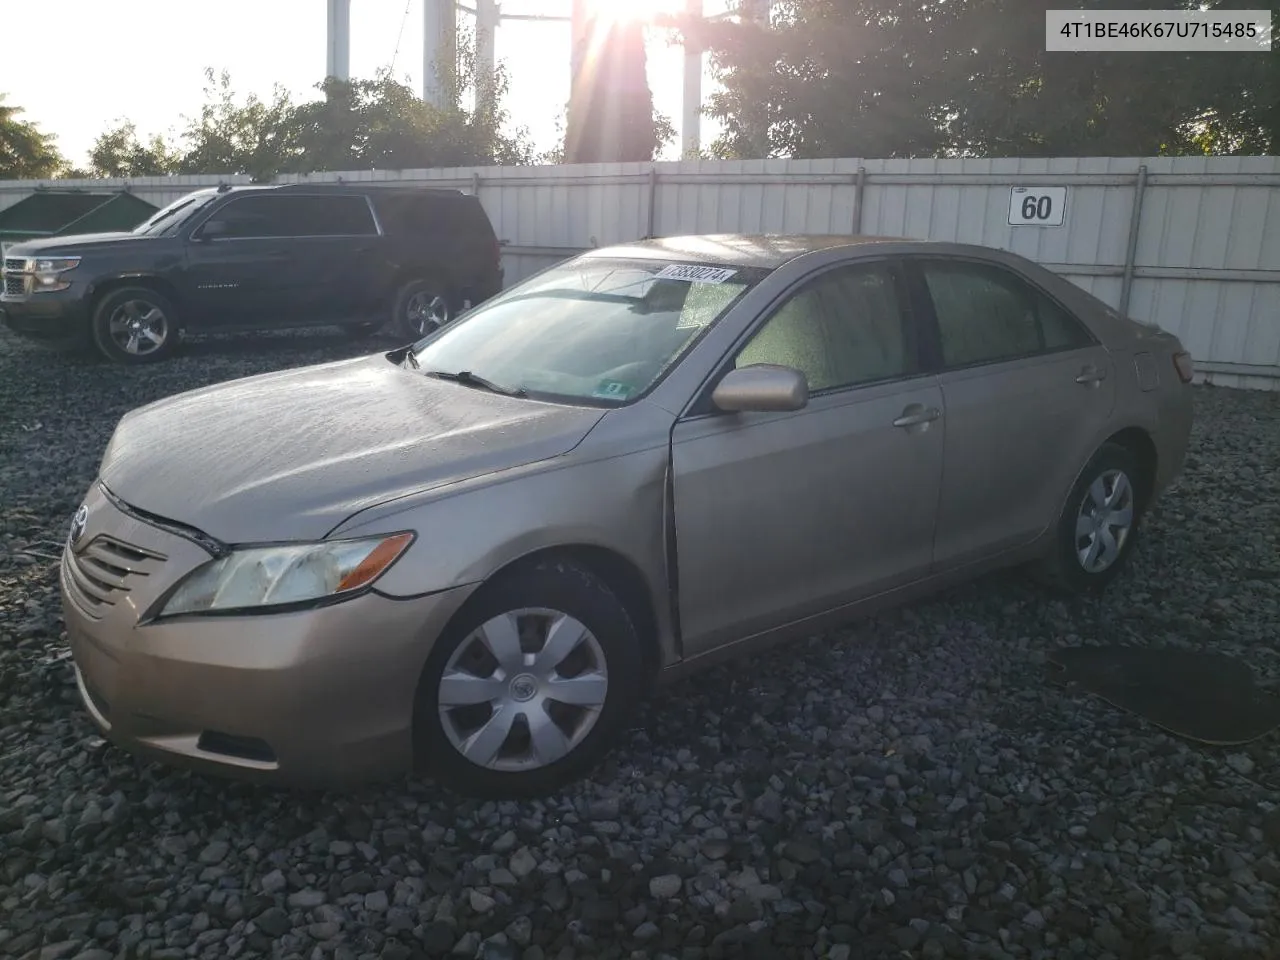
(15, 264)
(102, 574)
(15, 286)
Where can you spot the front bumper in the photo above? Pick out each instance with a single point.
(59, 317)
(318, 698)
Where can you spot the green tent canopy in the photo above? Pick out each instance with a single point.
(57, 213)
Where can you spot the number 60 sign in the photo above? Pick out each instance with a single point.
(1037, 206)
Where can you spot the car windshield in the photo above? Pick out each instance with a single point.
(598, 330)
(172, 216)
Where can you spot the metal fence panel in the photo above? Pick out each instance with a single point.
(1206, 261)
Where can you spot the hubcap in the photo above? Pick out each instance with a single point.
(1105, 521)
(426, 312)
(138, 327)
(523, 691)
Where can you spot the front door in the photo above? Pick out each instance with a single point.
(1027, 390)
(281, 259)
(783, 515)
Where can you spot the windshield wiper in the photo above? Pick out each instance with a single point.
(469, 379)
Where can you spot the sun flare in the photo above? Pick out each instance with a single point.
(643, 10)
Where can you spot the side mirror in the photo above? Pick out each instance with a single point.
(212, 230)
(762, 388)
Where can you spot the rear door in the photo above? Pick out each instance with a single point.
(783, 515)
(1026, 389)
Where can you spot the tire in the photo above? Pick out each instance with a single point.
(1069, 568)
(507, 765)
(127, 321)
(423, 306)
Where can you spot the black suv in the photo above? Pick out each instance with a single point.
(252, 258)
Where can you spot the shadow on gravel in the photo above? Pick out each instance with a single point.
(1207, 697)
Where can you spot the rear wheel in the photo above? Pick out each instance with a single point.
(1099, 524)
(526, 692)
(134, 325)
(422, 307)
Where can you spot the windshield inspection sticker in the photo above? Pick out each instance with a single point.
(692, 274)
(611, 390)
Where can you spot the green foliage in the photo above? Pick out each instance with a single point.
(120, 152)
(357, 125)
(907, 78)
(25, 152)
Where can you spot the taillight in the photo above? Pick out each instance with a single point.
(1182, 363)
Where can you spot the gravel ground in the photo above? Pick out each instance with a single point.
(908, 787)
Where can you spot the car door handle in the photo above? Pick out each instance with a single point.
(1090, 375)
(917, 418)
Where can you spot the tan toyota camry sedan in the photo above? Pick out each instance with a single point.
(473, 556)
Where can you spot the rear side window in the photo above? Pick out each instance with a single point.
(282, 215)
(417, 215)
(986, 314)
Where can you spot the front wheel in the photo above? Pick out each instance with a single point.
(422, 307)
(526, 692)
(1098, 527)
(134, 325)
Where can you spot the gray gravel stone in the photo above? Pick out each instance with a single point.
(907, 785)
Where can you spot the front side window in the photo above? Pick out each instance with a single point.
(986, 314)
(598, 330)
(168, 219)
(845, 328)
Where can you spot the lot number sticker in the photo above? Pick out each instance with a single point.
(692, 274)
(1037, 206)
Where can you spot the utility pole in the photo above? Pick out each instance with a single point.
(691, 132)
(338, 53)
(488, 16)
(439, 52)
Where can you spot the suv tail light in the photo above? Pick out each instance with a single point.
(1182, 363)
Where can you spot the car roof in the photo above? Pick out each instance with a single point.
(771, 251)
(360, 188)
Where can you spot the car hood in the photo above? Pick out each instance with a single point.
(289, 456)
(69, 244)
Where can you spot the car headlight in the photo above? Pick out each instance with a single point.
(259, 578)
(49, 270)
(54, 264)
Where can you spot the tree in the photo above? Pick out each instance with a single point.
(611, 115)
(904, 78)
(119, 152)
(352, 125)
(258, 137)
(25, 152)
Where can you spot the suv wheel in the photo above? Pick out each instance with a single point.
(422, 307)
(135, 325)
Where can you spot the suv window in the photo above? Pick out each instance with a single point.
(845, 328)
(276, 215)
(432, 213)
(986, 314)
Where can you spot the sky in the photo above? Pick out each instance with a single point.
(144, 59)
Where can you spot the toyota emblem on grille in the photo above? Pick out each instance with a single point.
(78, 523)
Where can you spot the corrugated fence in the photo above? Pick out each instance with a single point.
(1192, 244)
